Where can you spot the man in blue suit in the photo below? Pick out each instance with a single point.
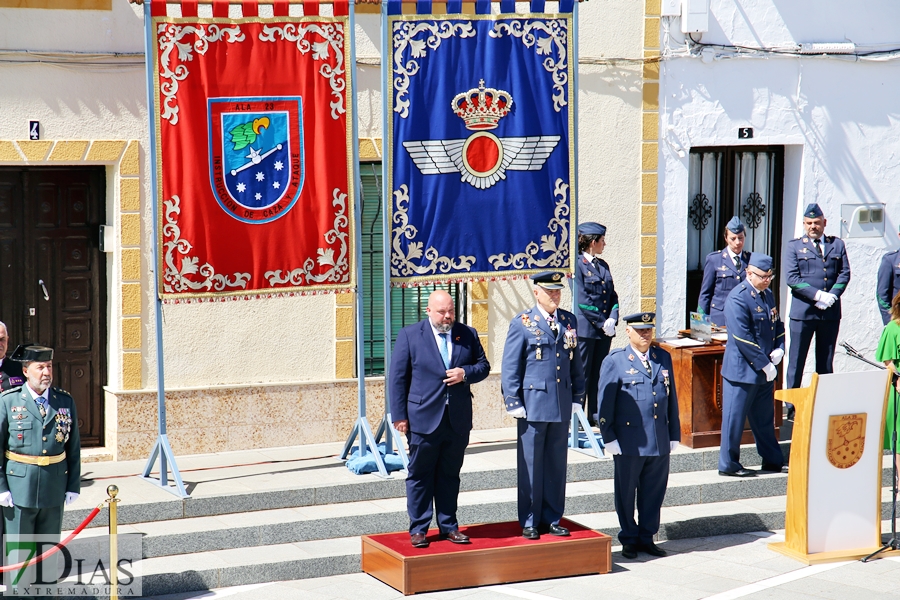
(755, 346)
(435, 361)
(818, 272)
(888, 283)
(542, 379)
(723, 270)
(596, 308)
(638, 418)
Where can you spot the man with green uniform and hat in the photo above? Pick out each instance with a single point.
(41, 449)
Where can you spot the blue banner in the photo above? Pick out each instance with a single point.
(480, 140)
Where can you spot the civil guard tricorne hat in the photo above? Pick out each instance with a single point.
(32, 353)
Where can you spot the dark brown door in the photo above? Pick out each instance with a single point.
(53, 277)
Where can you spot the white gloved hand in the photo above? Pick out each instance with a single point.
(609, 327)
(819, 296)
(613, 448)
(71, 497)
(518, 413)
(576, 406)
(672, 445)
(776, 355)
(770, 371)
(821, 305)
(828, 299)
(6, 499)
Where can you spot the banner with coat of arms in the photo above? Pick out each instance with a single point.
(481, 140)
(254, 151)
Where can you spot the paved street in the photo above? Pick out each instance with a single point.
(719, 568)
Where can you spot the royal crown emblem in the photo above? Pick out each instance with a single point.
(482, 159)
(482, 108)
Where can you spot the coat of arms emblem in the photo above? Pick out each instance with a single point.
(846, 439)
(256, 160)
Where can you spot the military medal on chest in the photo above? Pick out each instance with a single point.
(63, 425)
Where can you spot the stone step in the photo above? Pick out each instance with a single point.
(338, 556)
(287, 485)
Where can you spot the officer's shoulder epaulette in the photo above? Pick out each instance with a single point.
(62, 391)
(566, 313)
(829, 239)
(616, 351)
(714, 253)
(11, 391)
(794, 240)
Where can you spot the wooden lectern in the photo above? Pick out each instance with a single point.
(834, 481)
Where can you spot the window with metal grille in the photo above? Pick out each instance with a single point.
(407, 304)
(746, 181)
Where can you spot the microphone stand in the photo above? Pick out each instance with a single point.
(893, 543)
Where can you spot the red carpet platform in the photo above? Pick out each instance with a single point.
(498, 554)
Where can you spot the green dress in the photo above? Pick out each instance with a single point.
(889, 349)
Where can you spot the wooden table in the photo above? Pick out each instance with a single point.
(698, 381)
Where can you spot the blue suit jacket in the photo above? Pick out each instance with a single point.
(754, 330)
(808, 273)
(416, 377)
(546, 386)
(720, 276)
(597, 298)
(888, 283)
(636, 408)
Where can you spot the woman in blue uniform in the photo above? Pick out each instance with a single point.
(723, 271)
(596, 306)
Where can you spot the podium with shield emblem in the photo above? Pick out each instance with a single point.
(834, 483)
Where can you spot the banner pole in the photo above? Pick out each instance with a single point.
(161, 448)
(362, 429)
(386, 427)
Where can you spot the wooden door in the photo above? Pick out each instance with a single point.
(53, 277)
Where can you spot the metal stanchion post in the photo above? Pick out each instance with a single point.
(113, 491)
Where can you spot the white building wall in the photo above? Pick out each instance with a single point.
(838, 118)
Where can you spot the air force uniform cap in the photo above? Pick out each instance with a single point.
(549, 280)
(761, 261)
(591, 228)
(735, 225)
(813, 211)
(641, 320)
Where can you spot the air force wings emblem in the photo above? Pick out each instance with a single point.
(483, 158)
(256, 156)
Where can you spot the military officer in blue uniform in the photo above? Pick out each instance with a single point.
(596, 307)
(41, 449)
(818, 272)
(542, 379)
(638, 416)
(723, 270)
(888, 283)
(10, 371)
(755, 346)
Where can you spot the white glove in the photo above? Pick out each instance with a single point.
(6, 499)
(770, 371)
(613, 448)
(828, 299)
(576, 406)
(518, 413)
(776, 355)
(71, 497)
(821, 305)
(609, 327)
(672, 445)
(819, 296)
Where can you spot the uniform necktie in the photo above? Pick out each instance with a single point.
(818, 244)
(646, 364)
(445, 350)
(41, 403)
(737, 262)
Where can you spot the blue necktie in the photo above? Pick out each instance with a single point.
(42, 407)
(445, 350)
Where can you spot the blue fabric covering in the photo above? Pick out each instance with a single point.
(366, 464)
(735, 225)
(761, 261)
(584, 442)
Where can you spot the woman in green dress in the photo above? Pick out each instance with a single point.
(889, 353)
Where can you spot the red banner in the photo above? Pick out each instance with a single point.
(254, 155)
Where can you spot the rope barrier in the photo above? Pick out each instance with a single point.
(57, 546)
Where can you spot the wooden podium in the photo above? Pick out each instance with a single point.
(834, 483)
(698, 382)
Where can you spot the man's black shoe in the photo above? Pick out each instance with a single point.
(531, 533)
(455, 536)
(418, 540)
(790, 413)
(739, 473)
(652, 549)
(774, 468)
(558, 530)
(629, 551)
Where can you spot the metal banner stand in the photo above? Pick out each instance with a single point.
(386, 427)
(361, 429)
(578, 415)
(161, 448)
